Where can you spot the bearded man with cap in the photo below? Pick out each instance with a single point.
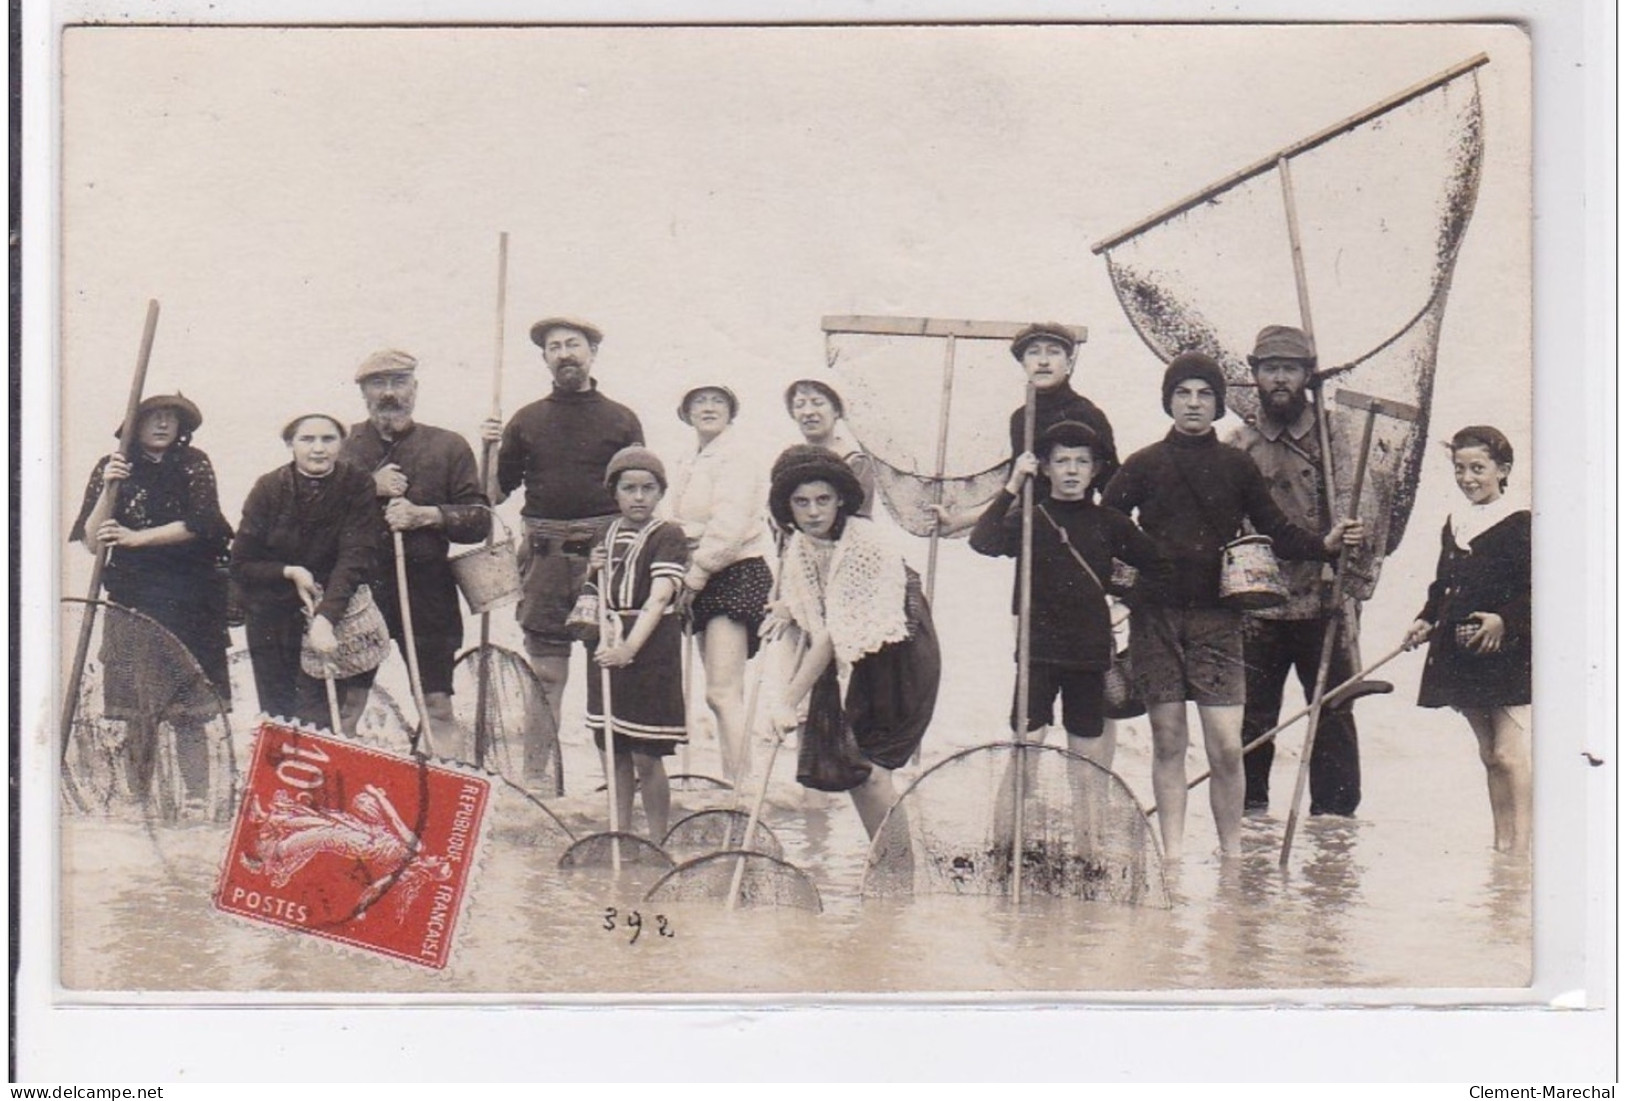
(428, 488)
(1192, 494)
(558, 448)
(1283, 441)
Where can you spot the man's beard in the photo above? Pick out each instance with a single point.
(1283, 412)
(390, 417)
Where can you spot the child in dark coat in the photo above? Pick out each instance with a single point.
(1478, 616)
(1074, 542)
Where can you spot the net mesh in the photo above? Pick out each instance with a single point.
(598, 850)
(762, 881)
(1382, 211)
(953, 830)
(149, 735)
(512, 736)
(708, 831)
(891, 387)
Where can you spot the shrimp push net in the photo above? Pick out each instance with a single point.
(1382, 208)
(149, 735)
(953, 830)
(891, 387)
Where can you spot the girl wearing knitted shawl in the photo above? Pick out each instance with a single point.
(864, 616)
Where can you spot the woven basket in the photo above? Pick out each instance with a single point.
(363, 641)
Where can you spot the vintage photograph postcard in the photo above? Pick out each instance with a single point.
(1043, 511)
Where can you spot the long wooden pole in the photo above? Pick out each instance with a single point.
(1333, 613)
(127, 446)
(1024, 647)
(1318, 138)
(941, 465)
(482, 732)
(423, 732)
(610, 782)
(755, 816)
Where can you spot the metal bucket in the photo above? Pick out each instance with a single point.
(1249, 576)
(488, 575)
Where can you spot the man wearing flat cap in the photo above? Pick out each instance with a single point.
(1283, 441)
(558, 448)
(1048, 353)
(428, 488)
(1192, 495)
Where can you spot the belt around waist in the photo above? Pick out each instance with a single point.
(568, 537)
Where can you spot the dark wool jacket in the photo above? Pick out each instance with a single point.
(1065, 404)
(440, 470)
(1192, 493)
(1071, 624)
(1490, 575)
(559, 447)
(331, 526)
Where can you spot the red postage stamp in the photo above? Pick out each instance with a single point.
(353, 844)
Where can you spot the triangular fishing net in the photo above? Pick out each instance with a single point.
(510, 737)
(599, 850)
(707, 831)
(1382, 210)
(891, 387)
(761, 880)
(953, 830)
(149, 735)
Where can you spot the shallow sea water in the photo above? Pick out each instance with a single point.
(1408, 894)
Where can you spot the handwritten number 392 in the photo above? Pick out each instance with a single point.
(634, 921)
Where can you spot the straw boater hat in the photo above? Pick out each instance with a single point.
(803, 463)
(190, 416)
(538, 331)
(635, 458)
(1044, 330)
(688, 395)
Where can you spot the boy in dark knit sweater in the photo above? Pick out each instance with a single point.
(1193, 493)
(1074, 542)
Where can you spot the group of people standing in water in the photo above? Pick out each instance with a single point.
(736, 553)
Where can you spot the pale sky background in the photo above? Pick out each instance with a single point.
(298, 198)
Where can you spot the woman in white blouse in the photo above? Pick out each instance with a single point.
(719, 496)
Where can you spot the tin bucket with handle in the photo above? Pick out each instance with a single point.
(1249, 577)
(488, 575)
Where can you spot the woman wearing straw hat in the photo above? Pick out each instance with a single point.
(309, 541)
(167, 540)
(718, 497)
(863, 612)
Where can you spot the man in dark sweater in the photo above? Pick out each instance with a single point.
(1192, 494)
(428, 489)
(558, 449)
(1074, 542)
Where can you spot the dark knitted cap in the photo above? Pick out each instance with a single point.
(635, 457)
(802, 463)
(1192, 365)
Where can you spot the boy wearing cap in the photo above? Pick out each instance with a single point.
(1283, 441)
(428, 490)
(557, 448)
(1074, 542)
(1192, 494)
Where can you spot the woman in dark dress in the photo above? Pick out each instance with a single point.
(310, 538)
(1478, 619)
(166, 540)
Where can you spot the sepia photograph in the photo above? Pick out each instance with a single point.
(660, 514)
